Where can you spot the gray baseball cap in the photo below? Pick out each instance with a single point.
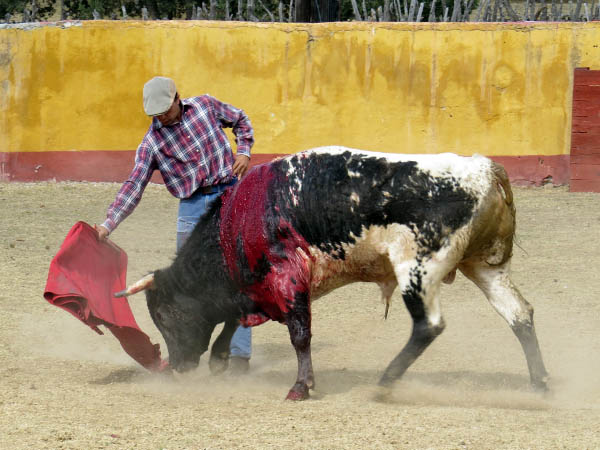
(159, 94)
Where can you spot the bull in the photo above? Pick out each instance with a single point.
(296, 228)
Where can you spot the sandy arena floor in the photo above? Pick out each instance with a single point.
(63, 386)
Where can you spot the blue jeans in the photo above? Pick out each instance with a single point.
(191, 209)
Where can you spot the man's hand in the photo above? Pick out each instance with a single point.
(102, 232)
(240, 166)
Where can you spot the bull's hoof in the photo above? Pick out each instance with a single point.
(383, 394)
(540, 385)
(217, 365)
(239, 366)
(386, 382)
(298, 392)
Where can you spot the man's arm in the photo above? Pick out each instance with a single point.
(130, 193)
(232, 117)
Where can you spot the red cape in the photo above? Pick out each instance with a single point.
(83, 276)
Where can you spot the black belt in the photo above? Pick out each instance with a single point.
(207, 189)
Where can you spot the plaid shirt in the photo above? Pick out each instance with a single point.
(191, 153)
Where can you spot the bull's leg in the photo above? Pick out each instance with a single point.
(420, 294)
(506, 299)
(219, 354)
(298, 322)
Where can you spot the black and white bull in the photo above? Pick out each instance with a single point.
(299, 227)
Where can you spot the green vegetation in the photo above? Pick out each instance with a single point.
(302, 10)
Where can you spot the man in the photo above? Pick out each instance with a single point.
(187, 144)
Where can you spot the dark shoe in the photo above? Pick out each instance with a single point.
(238, 365)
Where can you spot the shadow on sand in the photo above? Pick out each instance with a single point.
(120, 376)
(454, 389)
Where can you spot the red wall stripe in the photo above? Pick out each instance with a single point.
(115, 166)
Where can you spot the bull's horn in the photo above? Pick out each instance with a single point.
(145, 283)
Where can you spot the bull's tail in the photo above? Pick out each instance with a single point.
(509, 219)
(503, 182)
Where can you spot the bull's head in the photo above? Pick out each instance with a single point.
(185, 322)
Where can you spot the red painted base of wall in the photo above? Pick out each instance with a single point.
(77, 166)
(116, 165)
(536, 170)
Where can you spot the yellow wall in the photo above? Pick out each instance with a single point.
(496, 89)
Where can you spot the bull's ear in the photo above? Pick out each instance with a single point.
(145, 283)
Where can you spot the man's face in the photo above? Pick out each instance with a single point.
(172, 115)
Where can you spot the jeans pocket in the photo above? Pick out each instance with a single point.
(186, 224)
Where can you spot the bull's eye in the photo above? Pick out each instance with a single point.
(159, 316)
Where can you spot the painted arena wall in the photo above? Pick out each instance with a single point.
(71, 92)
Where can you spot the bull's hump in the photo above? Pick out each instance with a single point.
(436, 165)
(331, 194)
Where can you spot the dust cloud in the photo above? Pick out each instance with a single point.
(64, 386)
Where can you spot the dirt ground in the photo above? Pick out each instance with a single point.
(64, 386)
